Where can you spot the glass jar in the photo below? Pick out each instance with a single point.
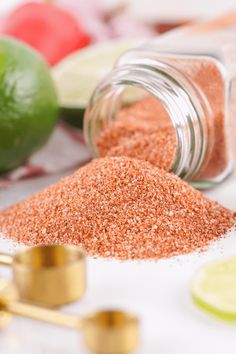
(191, 73)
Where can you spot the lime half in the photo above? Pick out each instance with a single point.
(214, 289)
(77, 76)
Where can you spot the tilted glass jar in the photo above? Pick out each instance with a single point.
(192, 72)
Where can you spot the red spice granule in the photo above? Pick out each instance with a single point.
(119, 207)
(143, 131)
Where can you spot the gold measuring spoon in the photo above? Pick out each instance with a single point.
(104, 332)
(51, 275)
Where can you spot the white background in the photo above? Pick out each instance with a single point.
(157, 291)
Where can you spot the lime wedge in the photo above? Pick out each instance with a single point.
(214, 289)
(77, 76)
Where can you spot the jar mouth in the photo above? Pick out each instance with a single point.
(173, 90)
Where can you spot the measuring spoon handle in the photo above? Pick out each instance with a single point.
(6, 259)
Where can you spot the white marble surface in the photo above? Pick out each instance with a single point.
(157, 291)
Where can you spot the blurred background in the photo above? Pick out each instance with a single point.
(81, 40)
(146, 10)
(104, 19)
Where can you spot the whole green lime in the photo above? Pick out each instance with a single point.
(28, 103)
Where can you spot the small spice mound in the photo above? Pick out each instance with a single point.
(119, 207)
(143, 131)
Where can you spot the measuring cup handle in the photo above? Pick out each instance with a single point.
(44, 314)
(6, 259)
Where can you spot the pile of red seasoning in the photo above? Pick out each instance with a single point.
(119, 207)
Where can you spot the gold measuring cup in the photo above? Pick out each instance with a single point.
(51, 275)
(104, 332)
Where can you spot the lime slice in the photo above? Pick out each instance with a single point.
(77, 76)
(214, 289)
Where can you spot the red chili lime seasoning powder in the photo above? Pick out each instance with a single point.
(119, 207)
